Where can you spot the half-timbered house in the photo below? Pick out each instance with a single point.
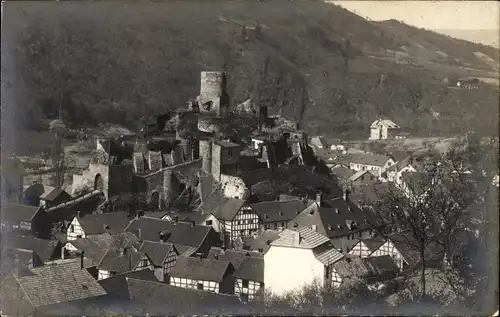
(24, 218)
(94, 224)
(233, 219)
(121, 261)
(364, 248)
(203, 274)
(42, 251)
(308, 255)
(249, 278)
(163, 257)
(277, 214)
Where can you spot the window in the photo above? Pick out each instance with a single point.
(79, 236)
(242, 232)
(200, 286)
(72, 228)
(245, 283)
(275, 226)
(283, 224)
(144, 262)
(208, 222)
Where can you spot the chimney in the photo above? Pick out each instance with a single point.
(318, 198)
(314, 228)
(296, 238)
(78, 214)
(176, 219)
(346, 194)
(81, 260)
(193, 224)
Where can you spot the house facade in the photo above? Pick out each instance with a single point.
(249, 278)
(123, 260)
(203, 274)
(93, 224)
(26, 218)
(376, 164)
(275, 215)
(382, 129)
(163, 257)
(299, 258)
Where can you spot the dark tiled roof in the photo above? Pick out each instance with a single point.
(156, 251)
(370, 159)
(374, 243)
(54, 194)
(261, 241)
(233, 256)
(227, 208)
(201, 269)
(358, 174)
(115, 240)
(177, 300)
(349, 218)
(180, 232)
(251, 268)
(86, 204)
(37, 190)
(90, 250)
(368, 192)
(112, 222)
(15, 213)
(272, 211)
(113, 261)
(59, 283)
(342, 172)
(405, 244)
(44, 248)
(117, 285)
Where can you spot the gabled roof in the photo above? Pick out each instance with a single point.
(342, 172)
(43, 248)
(178, 233)
(111, 222)
(327, 254)
(358, 174)
(227, 208)
(251, 268)
(263, 240)
(384, 122)
(274, 211)
(55, 194)
(307, 238)
(177, 299)
(233, 256)
(117, 286)
(37, 191)
(114, 261)
(201, 269)
(15, 213)
(50, 284)
(370, 159)
(156, 251)
(374, 243)
(334, 218)
(404, 243)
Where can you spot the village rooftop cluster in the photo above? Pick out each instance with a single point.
(190, 213)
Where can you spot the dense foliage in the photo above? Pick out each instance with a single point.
(333, 70)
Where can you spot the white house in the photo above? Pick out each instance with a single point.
(81, 227)
(395, 172)
(375, 163)
(382, 129)
(122, 260)
(203, 274)
(162, 255)
(299, 258)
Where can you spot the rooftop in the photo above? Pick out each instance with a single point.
(306, 238)
(200, 268)
(111, 222)
(370, 159)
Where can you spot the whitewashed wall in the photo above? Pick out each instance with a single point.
(193, 284)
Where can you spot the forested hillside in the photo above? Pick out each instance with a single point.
(319, 63)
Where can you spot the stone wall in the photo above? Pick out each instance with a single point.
(155, 161)
(89, 176)
(234, 187)
(216, 161)
(206, 155)
(120, 180)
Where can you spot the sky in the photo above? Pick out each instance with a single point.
(434, 15)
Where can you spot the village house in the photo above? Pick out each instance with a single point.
(123, 260)
(23, 218)
(162, 256)
(277, 214)
(203, 274)
(25, 294)
(188, 238)
(382, 129)
(366, 247)
(249, 271)
(94, 224)
(32, 193)
(341, 221)
(375, 163)
(409, 164)
(371, 269)
(309, 258)
(230, 217)
(37, 251)
(362, 177)
(54, 197)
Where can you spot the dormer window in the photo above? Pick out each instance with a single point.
(337, 211)
(330, 227)
(295, 225)
(281, 213)
(339, 227)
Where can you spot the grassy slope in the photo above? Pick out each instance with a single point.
(123, 62)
